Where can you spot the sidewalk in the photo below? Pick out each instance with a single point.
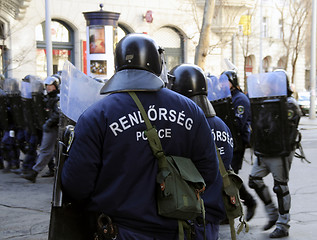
(307, 123)
(24, 207)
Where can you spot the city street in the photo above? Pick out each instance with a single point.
(25, 207)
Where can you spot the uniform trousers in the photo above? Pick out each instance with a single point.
(47, 149)
(279, 167)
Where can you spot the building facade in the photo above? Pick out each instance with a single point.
(175, 25)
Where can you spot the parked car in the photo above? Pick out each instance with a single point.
(304, 102)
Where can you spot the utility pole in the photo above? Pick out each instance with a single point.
(48, 40)
(312, 111)
(261, 32)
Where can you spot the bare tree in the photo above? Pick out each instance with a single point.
(293, 22)
(19, 59)
(205, 34)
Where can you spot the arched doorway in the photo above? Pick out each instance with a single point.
(267, 64)
(248, 66)
(173, 43)
(62, 43)
(281, 63)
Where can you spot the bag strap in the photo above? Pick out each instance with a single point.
(151, 134)
(226, 183)
(223, 171)
(157, 150)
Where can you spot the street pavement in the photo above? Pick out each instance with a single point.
(25, 207)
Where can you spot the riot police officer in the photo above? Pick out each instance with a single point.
(3, 117)
(275, 122)
(50, 128)
(190, 80)
(242, 120)
(32, 133)
(13, 139)
(111, 167)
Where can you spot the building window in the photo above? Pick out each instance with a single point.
(173, 43)
(264, 28)
(3, 51)
(62, 43)
(280, 24)
(281, 62)
(267, 64)
(2, 35)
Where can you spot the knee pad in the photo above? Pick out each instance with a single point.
(260, 188)
(255, 182)
(283, 196)
(278, 190)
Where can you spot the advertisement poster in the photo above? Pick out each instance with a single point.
(97, 40)
(98, 67)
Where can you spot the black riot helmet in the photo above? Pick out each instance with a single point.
(232, 77)
(138, 51)
(55, 80)
(138, 65)
(190, 81)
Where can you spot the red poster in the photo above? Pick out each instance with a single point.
(84, 57)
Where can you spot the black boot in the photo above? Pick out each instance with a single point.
(250, 211)
(279, 233)
(30, 175)
(270, 224)
(249, 202)
(19, 171)
(49, 173)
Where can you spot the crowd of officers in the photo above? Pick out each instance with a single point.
(29, 109)
(94, 175)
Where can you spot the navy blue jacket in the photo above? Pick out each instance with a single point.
(215, 210)
(111, 164)
(242, 110)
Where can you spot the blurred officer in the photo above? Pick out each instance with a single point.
(111, 168)
(190, 80)
(50, 128)
(242, 120)
(275, 122)
(32, 135)
(3, 116)
(13, 139)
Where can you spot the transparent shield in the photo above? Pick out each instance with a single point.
(218, 88)
(270, 84)
(26, 90)
(12, 86)
(78, 91)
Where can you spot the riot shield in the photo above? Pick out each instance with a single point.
(12, 87)
(78, 92)
(38, 103)
(220, 97)
(268, 98)
(28, 111)
(4, 122)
